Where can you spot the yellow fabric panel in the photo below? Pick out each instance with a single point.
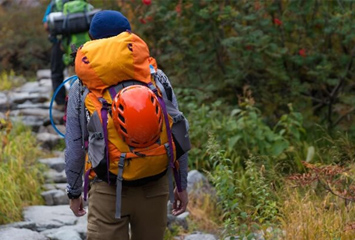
(92, 104)
(87, 74)
(106, 62)
(115, 140)
(141, 167)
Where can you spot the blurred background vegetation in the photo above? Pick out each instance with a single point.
(267, 86)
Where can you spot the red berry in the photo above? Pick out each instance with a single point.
(147, 2)
(142, 20)
(302, 52)
(277, 22)
(178, 8)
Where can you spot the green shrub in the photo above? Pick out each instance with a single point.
(243, 131)
(296, 52)
(246, 199)
(24, 46)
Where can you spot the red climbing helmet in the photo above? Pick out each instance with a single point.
(137, 116)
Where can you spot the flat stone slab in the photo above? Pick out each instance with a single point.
(52, 176)
(48, 217)
(4, 105)
(200, 236)
(20, 234)
(48, 140)
(57, 164)
(31, 105)
(21, 97)
(34, 87)
(43, 73)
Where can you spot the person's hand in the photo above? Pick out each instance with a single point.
(45, 25)
(76, 205)
(180, 203)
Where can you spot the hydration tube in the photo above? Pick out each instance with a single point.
(72, 79)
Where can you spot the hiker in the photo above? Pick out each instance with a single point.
(117, 203)
(60, 51)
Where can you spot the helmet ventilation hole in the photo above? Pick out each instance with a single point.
(121, 118)
(123, 129)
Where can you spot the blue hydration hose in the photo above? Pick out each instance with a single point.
(72, 79)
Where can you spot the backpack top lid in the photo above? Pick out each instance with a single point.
(106, 62)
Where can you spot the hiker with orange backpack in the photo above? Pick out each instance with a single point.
(124, 130)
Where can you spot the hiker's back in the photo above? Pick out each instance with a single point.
(70, 21)
(123, 108)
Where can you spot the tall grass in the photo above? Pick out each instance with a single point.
(8, 80)
(20, 174)
(313, 216)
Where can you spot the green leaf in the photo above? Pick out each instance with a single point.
(235, 112)
(233, 140)
(279, 146)
(310, 154)
(244, 215)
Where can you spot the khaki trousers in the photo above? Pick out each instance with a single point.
(144, 208)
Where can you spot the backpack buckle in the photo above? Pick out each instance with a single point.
(120, 164)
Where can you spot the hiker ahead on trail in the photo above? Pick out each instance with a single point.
(67, 22)
(124, 130)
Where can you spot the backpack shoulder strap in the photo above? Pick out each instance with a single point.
(82, 114)
(164, 86)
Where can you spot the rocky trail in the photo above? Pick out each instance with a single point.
(54, 220)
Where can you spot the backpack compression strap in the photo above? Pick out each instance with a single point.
(169, 133)
(169, 150)
(119, 186)
(104, 116)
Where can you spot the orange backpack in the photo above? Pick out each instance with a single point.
(106, 67)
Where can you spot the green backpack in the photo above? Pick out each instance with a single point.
(71, 7)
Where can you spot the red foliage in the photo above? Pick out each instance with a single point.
(149, 18)
(142, 20)
(277, 22)
(147, 2)
(302, 52)
(257, 5)
(178, 8)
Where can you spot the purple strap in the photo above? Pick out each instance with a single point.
(168, 131)
(112, 92)
(86, 184)
(104, 112)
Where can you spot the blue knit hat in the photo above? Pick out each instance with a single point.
(108, 23)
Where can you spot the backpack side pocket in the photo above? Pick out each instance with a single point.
(96, 148)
